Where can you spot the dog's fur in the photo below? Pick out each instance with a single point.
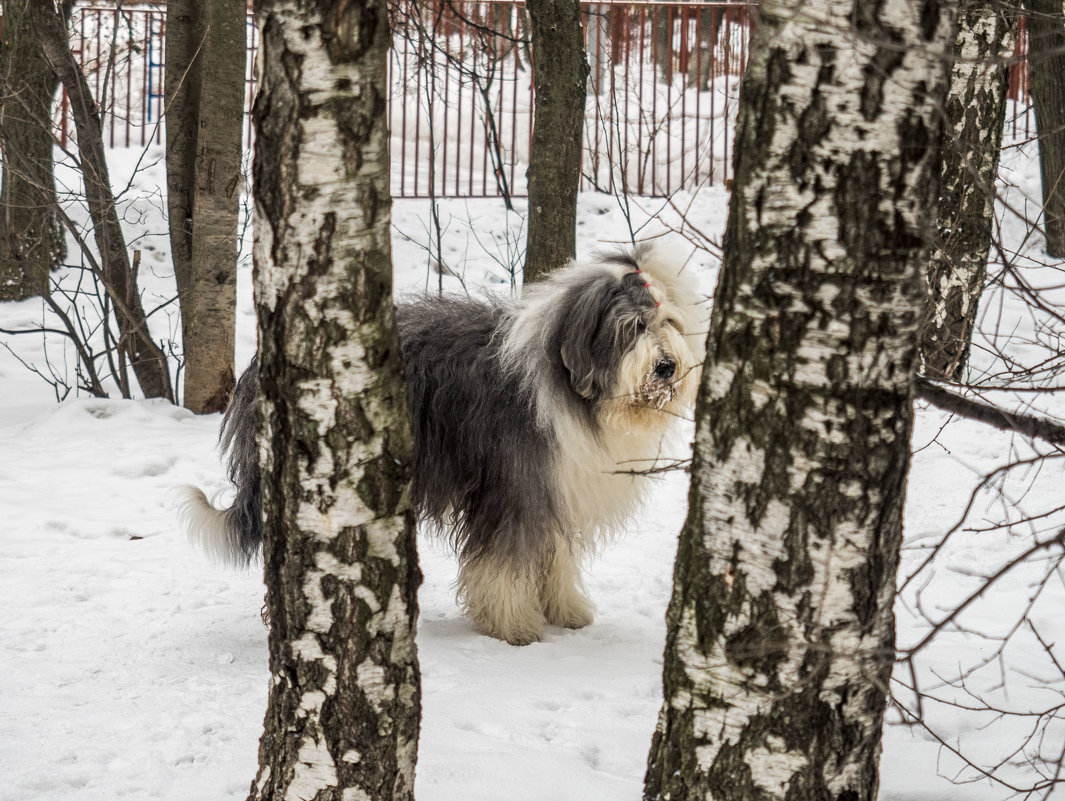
(532, 423)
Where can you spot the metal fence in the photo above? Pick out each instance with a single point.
(121, 52)
(662, 92)
(662, 88)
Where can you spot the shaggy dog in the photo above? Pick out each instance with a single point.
(535, 422)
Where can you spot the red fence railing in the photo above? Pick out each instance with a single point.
(662, 92)
(121, 50)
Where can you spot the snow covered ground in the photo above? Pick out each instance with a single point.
(134, 669)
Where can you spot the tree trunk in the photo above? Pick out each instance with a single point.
(701, 61)
(1046, 65)
(780, 636)
(974, 114)
(339, 549)
(560, 74)
(205, 64)
(145, 356)
(31, 238)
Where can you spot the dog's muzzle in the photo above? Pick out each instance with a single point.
(657, 388)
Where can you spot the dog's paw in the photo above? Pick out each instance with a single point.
(575, 621)
(524, 638)
(573, 612)
(526, 633)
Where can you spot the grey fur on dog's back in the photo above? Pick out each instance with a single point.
(479, 454)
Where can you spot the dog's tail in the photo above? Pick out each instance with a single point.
(232, 536)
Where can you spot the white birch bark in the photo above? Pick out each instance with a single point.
(974, 114)
(341, 566)
(781, 628)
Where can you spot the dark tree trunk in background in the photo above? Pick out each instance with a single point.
(31, 238)
(1046, 60)
(780, 638)
(560, 74)
(205, 65)
(974, 114)
(672, 28)
(701, 61)
(339, 548)
(144, 354)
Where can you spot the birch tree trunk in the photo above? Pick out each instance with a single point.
(1046, 60)
(31, 237)
(974, 114)
(145, 356)
(780, 635)
(206, 45)
(339, 550)
(560, 73)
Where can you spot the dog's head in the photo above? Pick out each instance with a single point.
(627, 336)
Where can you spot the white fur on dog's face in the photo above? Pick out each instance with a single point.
(562, 351)
(602, 474)
(641, 394)
(675, 334)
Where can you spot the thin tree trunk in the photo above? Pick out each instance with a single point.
(701, 61)
(31, 238)
(339, 548)
(560, 73)
(974, 114)
(145, 356)
(780, 636)
(1046, 65)
(205, 63)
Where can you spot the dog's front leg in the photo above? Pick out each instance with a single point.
(562, 590)
(502, 599)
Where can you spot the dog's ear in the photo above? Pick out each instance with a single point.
(577, 353)
(583, 346)
(601, 320)
(576, 358)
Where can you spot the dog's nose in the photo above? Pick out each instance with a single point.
(665, 369)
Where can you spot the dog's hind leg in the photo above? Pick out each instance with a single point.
(561, 590)
(502, 600)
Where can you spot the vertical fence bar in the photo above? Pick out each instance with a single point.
(601, 62)
(682, 53)
(405, 56)
(417, 115)
(129, 76)
(611, 107)
(447, 112)
(475, 132)
(726, 25)
(699, 93)
(668, 55)
(460, 80)
(154, 53)
(640, 66)
(514, 100)
(658, 59)
(622, 106)
(711, 57)
(481, 45)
